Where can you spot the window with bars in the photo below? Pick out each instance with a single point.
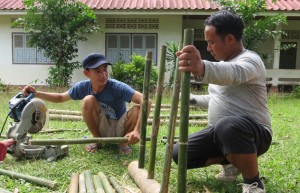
(23, 53)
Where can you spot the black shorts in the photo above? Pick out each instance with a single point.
(232, 134)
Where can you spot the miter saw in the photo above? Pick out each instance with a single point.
(29, 115)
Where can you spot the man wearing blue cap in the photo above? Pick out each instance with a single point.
(103, 103)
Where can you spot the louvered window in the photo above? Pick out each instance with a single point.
(119, 47)
(23, 53)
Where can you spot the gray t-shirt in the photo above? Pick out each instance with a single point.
(237, 88)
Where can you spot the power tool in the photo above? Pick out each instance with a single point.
(29, 115)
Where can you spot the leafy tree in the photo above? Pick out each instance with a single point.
(259, 26)
(56, 26)
(132, 73)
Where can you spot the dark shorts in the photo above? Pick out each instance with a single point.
(232, 134)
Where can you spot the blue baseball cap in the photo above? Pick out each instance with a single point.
(94, 60)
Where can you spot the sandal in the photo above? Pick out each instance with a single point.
(93, 147)
(124, 149)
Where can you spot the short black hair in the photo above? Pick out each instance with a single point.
(226, 22)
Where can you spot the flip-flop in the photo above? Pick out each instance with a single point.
(125, 150)
(93, 147)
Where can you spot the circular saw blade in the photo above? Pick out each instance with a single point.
(38, 117)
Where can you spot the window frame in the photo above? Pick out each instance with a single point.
(34, 55)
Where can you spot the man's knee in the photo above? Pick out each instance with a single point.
(89, 102)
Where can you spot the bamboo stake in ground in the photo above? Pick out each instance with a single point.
(107, 187)
(171, 129)
(118, 188)
(33, 179)
(98, 184)
(156, 116)
(89, 182)
(73, 188)
(143, 128)
(184, 120)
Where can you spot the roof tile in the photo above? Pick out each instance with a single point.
(282, 5)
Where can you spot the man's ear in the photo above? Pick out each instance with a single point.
(230, 39)
(86, 73)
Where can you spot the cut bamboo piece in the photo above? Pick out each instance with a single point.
(118, 188)
(74, 184)
(98, 184)
(82, 186)
(156, 116)
(33, 179)
(89, 182)
(184, 120)
(145, 113)
(171, 129)
(139, 175)
(66, 112)
(106, 186)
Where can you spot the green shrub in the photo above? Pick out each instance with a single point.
(133, 73)
(296, 91)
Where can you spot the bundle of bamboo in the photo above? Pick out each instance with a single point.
(86, 182)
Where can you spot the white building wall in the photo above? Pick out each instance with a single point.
(16, 74)
(22, 74)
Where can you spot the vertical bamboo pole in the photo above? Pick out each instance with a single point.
(73, 188)
(171, 128)
(146, 85)
(184, 120)
(156, 115)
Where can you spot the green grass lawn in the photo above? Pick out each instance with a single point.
(279, 167)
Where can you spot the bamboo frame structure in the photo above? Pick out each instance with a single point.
(143, 129)
(171, 129)
(82, 187)
(36, 180)
(184, 120)
(156, 115)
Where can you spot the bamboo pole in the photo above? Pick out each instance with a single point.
(109, 140)
(82, 187)
(156, 116)
(73, 187)
(184, 120)
(77, 141)
(33, 179)
(171, 129)
(107, 187)
(118, 188)
(89, 182)
(98, 184)
(143, 129)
